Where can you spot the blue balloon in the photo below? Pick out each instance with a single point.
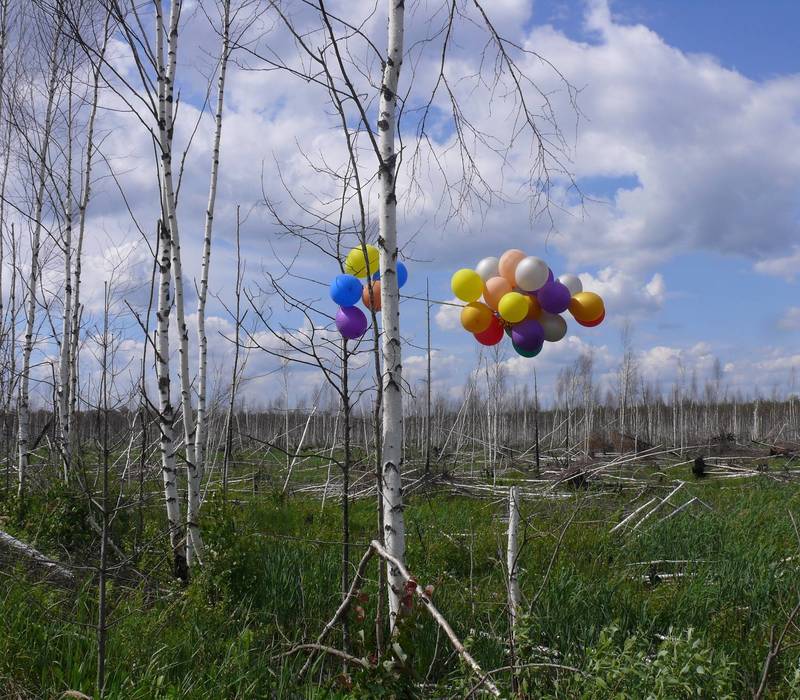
(346, 290)
(402, 275)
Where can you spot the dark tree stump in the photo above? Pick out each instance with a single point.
(699, 467)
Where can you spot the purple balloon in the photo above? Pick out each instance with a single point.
(527, 335)
(550, 276)
(351, 322)
(554, 297)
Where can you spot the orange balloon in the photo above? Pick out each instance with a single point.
(494, 289)
(596, 322)
(535, 310)
(376, 295)
(476, 317)
(508, 264)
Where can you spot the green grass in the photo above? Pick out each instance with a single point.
(276, 582)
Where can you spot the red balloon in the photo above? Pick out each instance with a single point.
(596, 322)
(492, 335)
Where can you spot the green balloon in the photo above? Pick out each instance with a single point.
(526, 353)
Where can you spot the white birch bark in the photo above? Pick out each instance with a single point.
(194, 543)
(23, 409)
(6, 160)
(72, 323)
(512, 581)
(202, 340)
(394, 523)
(166, 410)
(62, 390)
(512, 554)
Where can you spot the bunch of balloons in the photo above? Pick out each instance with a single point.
(521, 298)
(347, 289)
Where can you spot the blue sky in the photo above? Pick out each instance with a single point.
(686, 148)
(714, 295)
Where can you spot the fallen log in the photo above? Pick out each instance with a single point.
(13, 551)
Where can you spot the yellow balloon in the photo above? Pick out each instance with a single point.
(467, 285)
(355, 264)
(476, 317)
(514, 307)
(586, 306)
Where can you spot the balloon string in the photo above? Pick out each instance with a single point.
(432, 301)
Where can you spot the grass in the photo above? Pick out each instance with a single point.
(272, 580)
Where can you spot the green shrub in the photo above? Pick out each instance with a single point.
(681, 665)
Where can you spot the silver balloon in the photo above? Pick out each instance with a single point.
(532, 273)
(555, 327)
(571, 282)
(488, 268)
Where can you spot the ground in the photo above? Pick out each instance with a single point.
(678, 607)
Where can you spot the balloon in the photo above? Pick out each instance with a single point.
(555, 327)
(534, 308)
(488, 268)
(586, 306)
(528, 335)
(531, 274)
(571, 282)
(508, 263)
(527, 353)
(492, 335)
(351, 322)
(554, 297)
(596, 322)
(402, 275)
(513, 307)
(376, 296)
(467, 285)
(345, 290)
(476, 317)
(355, 264)
(495, 289)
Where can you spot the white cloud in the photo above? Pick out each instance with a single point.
(790, 321)
(785, 266)
(626, 294)
(448, 317)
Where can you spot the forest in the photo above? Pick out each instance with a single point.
(213, 485)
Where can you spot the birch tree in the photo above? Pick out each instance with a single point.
(153, 44)
(330, 48)
(67, 390)
(38, 149)
(392, 438)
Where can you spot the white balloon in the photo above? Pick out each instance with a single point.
(555, 327)
(532, 273)
(488, 268)
(571, 282)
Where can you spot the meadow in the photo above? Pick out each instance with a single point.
(681, 606)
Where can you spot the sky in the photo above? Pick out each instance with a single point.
(684, 145)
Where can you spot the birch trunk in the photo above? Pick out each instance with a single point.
(167, 256)
(202, 340)
(166, 83)
(512, 555)
(23, 409)
(394, 524)
(166, 413)
(66, 334)
(70, 400)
